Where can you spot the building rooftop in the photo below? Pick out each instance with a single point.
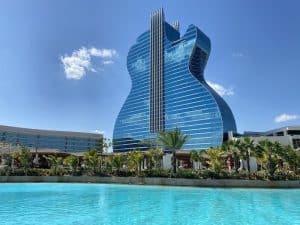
(270, 132)
(48, 132)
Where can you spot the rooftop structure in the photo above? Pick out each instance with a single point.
(289, 135)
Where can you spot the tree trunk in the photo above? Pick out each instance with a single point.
(248, 162)
(174, 161)
(235, 162)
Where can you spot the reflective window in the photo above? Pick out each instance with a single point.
(189, 102)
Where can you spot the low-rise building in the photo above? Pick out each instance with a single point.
(50, 139)
(289, 135)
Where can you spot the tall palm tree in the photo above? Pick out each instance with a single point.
(268, 156)
(172, 140)
(245, 146)
(231, 148)
(248, 145)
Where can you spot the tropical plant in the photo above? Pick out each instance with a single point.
(134, 159)
(24, 157)
(73, 163)
(92, 160)
(215, 159)
(245, 146)
(267, 154)
(172, 140)
(287, 154)
(230, 147)
(117, 161)
(56, 164)
(197, 156)
(155, 156)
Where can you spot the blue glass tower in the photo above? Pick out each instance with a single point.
(169, 90)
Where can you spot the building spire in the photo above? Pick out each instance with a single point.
(176, 25)
(159, 12)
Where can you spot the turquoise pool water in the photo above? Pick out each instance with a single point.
(91, 204)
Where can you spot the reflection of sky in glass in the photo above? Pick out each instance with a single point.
(133, 118)
(139, 65)
(188, 104)
(179, 52)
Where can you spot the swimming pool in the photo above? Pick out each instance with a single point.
(92, 204)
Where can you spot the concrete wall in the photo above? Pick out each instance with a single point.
(167, 161)
(154, 181)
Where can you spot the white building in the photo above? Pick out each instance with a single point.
(286, 136)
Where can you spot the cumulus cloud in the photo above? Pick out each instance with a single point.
(285, 117)
(79, 62)
(221, 90)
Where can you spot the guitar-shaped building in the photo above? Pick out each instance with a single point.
(169, 90)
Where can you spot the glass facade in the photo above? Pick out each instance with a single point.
(169, 90)
(56, 140)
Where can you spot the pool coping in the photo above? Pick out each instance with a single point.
(224, 183)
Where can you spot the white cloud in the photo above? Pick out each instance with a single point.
(80, 61)
(220, 89)
(99, 131)
(103, 53)
(285, 117)
(238, 55)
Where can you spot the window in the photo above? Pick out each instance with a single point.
(293, 132)
(280, 133)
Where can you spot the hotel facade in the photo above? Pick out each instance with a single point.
(50, 140)
(169, 90)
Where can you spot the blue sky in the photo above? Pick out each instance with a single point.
(254, 62)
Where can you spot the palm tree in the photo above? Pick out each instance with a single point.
(292, 157)
(245, 146)
(172, 140)
(73, 162)
(92, 160)
(266, 153)
(155, 156)
(230, 147)
(118, 161)
(24, 156)
(134, 159)
(215, 159)
(55, 164)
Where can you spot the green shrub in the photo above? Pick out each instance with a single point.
(157, 173)
(186, 173)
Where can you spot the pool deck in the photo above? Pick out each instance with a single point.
(220, 183)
